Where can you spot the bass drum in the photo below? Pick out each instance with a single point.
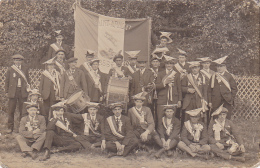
(78, 101)
(117, 90)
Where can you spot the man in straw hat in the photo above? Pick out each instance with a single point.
(193, 86)
(31, 132)
(194, 136)
(60, 132)
(142, 121)
(224, 137)
(223, 88)
(168, 130)
(119, 135)
(50, 86)
(72, 80)
(168, 87)
(91, 127)
(16, 87)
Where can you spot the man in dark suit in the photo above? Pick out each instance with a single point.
(119, 70)
(168, 87)
(119, 135)
(160, 54)
(58, 45)
(85, 67)
(73, 80)
(168, 130)
(59, 61)
(143, 80)
(193, 86)
(223, 88)
(31, 132)
(16, 86)
(50, 86)
(194, 135)
(224, 137)
(97, 82)
(60, 132)
(181, 66)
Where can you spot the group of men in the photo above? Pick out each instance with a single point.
(173, 103)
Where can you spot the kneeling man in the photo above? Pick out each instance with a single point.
(194, 136)
(224, 137)
(32, 131)
(168, 130)
(119, 135)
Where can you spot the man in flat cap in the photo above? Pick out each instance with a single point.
(58, 45)
(60, 132)
(72, 80)
(31, 132)
(224, 137)
(168, 87)
(119, 70)
(142, 121)
(223, 88)
(59, 61)
(193, 86)
(119, 135)
(194, 135)
(168, 130)
(16, 87)
(50, 86)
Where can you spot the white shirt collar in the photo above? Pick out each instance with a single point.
(93, 117)
(183, 64)
(168, 71)
(142, 71)
(119, 117)
(207, 70)
(195, 76)
(31, 118)
(138, 109)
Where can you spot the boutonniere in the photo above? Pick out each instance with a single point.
(67, 123)
(189, 84)
(218, 79)
(199, 81)
(96, 125)
(28, 126)
(120, 124)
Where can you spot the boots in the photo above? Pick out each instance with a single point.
(158, 154)
(46, 155)
(238, 158)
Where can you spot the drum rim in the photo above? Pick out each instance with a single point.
(72, 96)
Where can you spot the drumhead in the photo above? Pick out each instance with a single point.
(74, 97)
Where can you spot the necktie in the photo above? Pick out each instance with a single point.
(117, 123)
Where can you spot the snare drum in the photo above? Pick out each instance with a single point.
(78, 101)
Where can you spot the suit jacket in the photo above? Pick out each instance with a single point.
(148, 117)
(51, 51)
(46, 86)
(127, 131)
(11, 81)
(78, 125)
(162, 91)
(39, 123)
(174, 132)
(230, 127)
(66, 86)
(40, 106)
(186, 67)
(162, 64)
(123, 68)
(187, 138)
(185, 84)
(94, 92)
(221, 91)
(138, 81)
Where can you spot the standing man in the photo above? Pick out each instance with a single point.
(160, 54)
(223, 88)
(119, 70)
(16, 87)
(58, 45)
(31, 132)
(59, 61)
(72, 80)
(143, 80)
(85, 67)
(50, 86)
(181, 66)
(132, 64)
(193, 86)
(97, 82)
(119, 135)
(168, 87)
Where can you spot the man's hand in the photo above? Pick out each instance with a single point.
(118, 146)
(191, 90)
(210, 105)
(179, 104)
(36, 131)
(103, 145)
(193, 147)
(220, 146)
(168, 144)
(144, 136)
(242, 148)
(169, 80)
(130, 77)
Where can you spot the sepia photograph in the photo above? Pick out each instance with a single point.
(129, 84)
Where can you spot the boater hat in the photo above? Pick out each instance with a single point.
(194, 64)
(169, 106)
(219, 110)
(181, 52)
(133, 54)
(194, 112)
(18, 56)
(166, 35)
(221, 61)
(205, 59)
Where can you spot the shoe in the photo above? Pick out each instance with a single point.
(169, 153)
(203, 156)
(111, 155)
(33, 155)
(238, 158)
(55, 151)
(9, 131)
(46, 156)
(158, 154)
(24, 154)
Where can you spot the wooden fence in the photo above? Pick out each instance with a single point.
(247, 101)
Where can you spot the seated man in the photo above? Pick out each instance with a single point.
(91, 132)
(119, 135)
(168, 130)
(142, 121)
(32, 131)
(224, 137)
(194, 136)
(59, 132)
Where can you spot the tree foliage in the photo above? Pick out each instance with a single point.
(203, 28)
